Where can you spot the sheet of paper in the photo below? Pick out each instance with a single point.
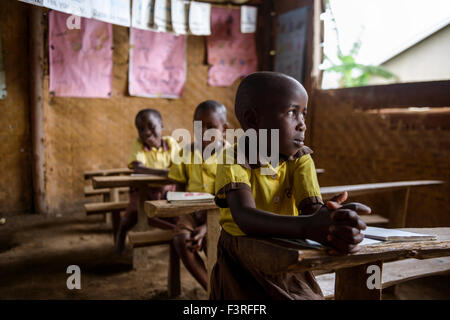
(200, 18)
(249, 17)
(291, 43)
(35, 2)
(112, 11)
(162, 16)
(157, 64)
(80, 8)
(142, 14)
(81, 60)
(395, 235)
(181, 196)
(231, 54)
(179, 10)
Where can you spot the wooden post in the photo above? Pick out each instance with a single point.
(36, 57)
(399, 208)
(113, 197)
(351, 283)
(213, 232)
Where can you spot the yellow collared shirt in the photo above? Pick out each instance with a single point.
(154, 158)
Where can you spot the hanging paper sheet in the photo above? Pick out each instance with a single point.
(200, 18)
(179, 10)
(163, 22)
(249, 16)
(142, 14)
(112, 11)
(157, 64)
(35, 2)
(81, 60)
(231, 53)
(80, 8)
(291, 39)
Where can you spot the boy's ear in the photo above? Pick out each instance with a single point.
(251, 119)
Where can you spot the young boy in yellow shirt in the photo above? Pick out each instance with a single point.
(151, 153)
(190, 231)
(274, 199)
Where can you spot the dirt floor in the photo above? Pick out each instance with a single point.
(35, 253)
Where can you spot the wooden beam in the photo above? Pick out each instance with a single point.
(399, 95)
(36, 57)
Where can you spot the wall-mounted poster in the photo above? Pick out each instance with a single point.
(77, 7)
(142, 14)
(291, 43)
(231, 54)
(112, 11)
(81, 60)
(157, 64)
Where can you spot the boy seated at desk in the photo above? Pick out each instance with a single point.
(151, 153)
(280, 199)
(198, 176)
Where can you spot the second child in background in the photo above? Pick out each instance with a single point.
(151, 153)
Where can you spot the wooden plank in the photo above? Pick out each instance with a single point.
(399, 208)
(370, 188)
(295, 258)
(165, 209)
(399, 95)
(374, 219)
(103, 207)
(149, 238)
(90, 191)
(126, 181)
(351, 283)
(107, 172)
(212, 235)
(395, 272)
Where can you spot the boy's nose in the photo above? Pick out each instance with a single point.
(301, 126)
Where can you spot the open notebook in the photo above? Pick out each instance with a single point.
(189, 197)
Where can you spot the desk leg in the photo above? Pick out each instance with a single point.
(140, 254)
(113, 197)
(351, 283)
(213, 231)
(173, 279)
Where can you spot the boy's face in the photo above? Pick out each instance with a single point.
(150, 130)
(285, 110)
(210, 120)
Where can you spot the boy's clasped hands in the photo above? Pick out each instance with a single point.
(339, 225)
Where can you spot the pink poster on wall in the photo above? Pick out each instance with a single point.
(81, 60)
(231, 54)
(157, 64)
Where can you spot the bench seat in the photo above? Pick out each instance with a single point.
(104, 207)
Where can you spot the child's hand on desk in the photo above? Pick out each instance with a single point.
(339, 225)
(195, 242)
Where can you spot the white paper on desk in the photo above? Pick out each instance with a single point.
(200, 18)
(162, 17)
(80, 8)
(179, 11)
(249, 17)
(112, 11)
(395, 235)
(188, 196)
(142, 14)
(35, 2)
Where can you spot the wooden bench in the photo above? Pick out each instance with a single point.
(107, 172)
(104, 207)
(394, 273)
(400, 189)
(105, 192)
(161, 237)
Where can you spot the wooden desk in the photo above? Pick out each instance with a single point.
(351, 269)
(163, 208)
(107, 172)
(400, 189)
(139, 181)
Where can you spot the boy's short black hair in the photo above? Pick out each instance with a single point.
(143, 112)
(255, 88)
(212, 106)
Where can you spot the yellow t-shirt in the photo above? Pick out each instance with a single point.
(160, 158)
(198, 177)
(286, 190)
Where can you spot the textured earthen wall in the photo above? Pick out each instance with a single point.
(359, 147)
(15, 143)
(87, 134)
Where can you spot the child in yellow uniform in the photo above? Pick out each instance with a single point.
(151, 153)
(190, 232)
(274, 200)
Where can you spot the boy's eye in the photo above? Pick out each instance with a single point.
(292, 112)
